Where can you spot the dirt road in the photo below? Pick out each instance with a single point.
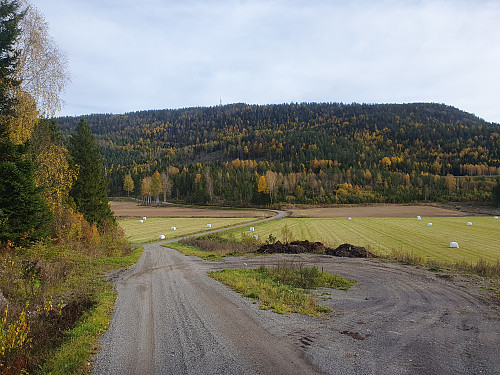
(171, 318)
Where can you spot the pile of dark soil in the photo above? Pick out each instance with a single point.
(299, 247)
(350, 251)
(295, 247)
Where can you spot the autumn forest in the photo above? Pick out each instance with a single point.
(299, 153)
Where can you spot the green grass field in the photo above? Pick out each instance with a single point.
(382, 235)
(152, 228)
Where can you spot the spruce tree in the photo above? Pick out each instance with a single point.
(24, 215)
(9, 32)
(496, 192)
(89, 189)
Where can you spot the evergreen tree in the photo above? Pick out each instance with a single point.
(9, 32)
(496, 192)
(89, 189)
(24, 215)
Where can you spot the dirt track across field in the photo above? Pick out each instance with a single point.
(131, 209)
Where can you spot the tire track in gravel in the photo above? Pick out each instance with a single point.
(395, 320)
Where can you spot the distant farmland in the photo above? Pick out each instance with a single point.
(150, 229)
(381, 235)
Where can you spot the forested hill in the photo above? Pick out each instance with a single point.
(375, 148)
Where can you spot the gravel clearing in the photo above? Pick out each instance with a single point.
(171, 318)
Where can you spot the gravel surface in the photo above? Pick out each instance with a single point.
(395, 320)
(171, 318)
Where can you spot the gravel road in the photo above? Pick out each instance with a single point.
(171, 318)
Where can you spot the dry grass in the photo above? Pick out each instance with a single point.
(481, 267)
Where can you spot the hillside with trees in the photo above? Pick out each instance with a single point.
(299, 153)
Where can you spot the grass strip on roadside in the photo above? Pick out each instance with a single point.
(81, 343)
(194, 251)
(282, 289)
(207, 249)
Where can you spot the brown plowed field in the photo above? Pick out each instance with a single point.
(390, 210)
(131, 209)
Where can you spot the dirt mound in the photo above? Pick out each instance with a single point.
(300, 247)
(350, 251)
(295, 247)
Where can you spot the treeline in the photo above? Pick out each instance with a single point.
(225, 184)
(383, 152)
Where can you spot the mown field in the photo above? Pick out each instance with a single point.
(382, 235)
(149, 231)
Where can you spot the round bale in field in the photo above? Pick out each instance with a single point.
(209, 225)
(141, 221)
(144, 218)
(454, 245)
(469, 223)
(252, 229)
(349, 218)
(496, 217)
(173, 228)
(419, 218)
(255, 237)
(161, 237)
(429, 224)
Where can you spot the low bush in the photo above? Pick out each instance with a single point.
(49, 287)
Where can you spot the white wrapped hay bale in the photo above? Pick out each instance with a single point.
(144, 218)
(469, 223)
(454, 245)
(496, 217)
(173, 228)
(209, 225)
(252, 229)
(419, 218)
(255, 237)
(161, 237)
(429, 224)
(141, 221)
(349, 218)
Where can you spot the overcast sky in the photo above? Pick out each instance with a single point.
(130, 55)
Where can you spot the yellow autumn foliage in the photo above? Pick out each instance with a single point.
(55, 174)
